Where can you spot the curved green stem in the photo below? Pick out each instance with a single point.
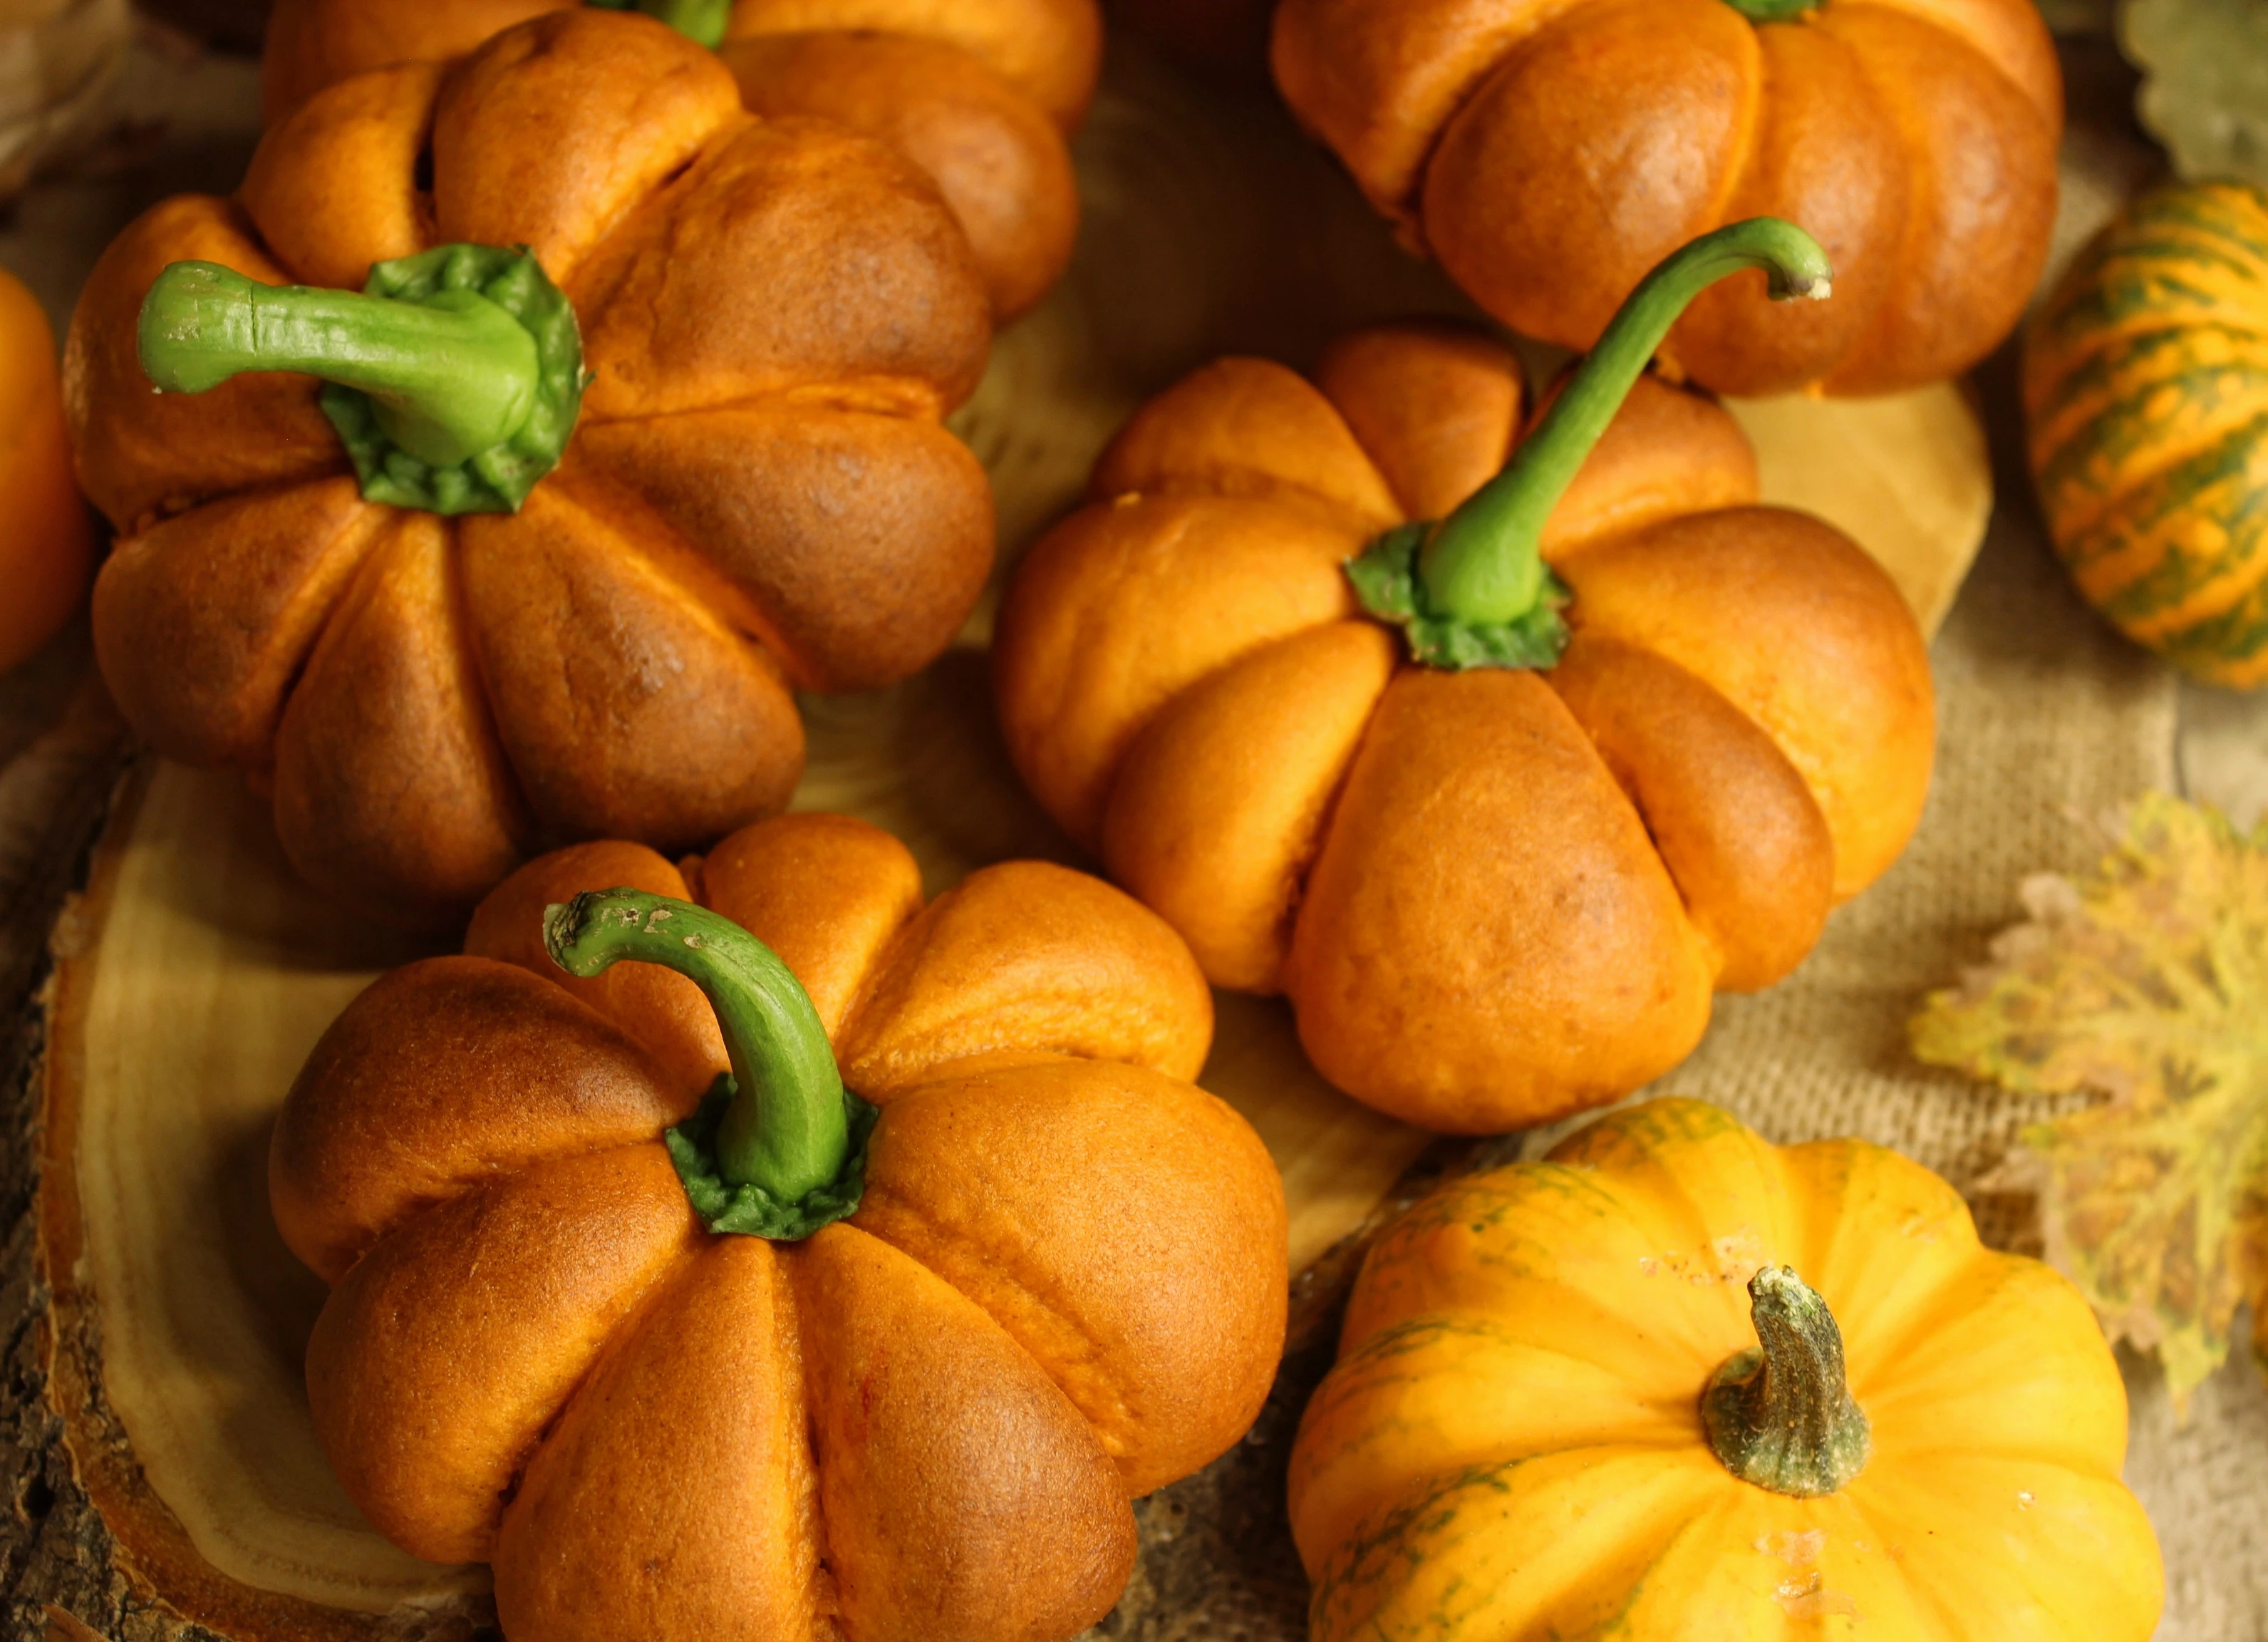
(1773, 10)
(1781, 1416)
(787, 1130)
(450, 378)
(701, 21)
(1484, 562)
(454, 380)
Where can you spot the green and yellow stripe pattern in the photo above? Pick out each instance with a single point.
(2146, 390)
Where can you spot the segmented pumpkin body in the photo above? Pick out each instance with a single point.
(1547, 153)
(1063, 1286)
(981, 95)
(1492, 897)
(758, 497)
(1512, 1447)
(2145, 386)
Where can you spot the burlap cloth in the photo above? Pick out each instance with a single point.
(2048, 723)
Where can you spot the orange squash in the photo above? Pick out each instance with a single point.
(46, 552)
(1547, 154)
(800, 1366)
(1639, 742)
(982, 95)
(437, 662)
(1676, 1384)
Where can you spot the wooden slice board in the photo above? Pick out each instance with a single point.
(195, 974)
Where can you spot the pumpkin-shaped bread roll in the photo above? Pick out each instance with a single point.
(1548, 155)
(982, 95)
(549, 556)
(632, 1301)
(1495, 802)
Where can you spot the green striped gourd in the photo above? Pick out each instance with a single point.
(2146, 390)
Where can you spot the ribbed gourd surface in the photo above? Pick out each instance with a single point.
(2145, 385)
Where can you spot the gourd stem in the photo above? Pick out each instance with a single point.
(1781, 1416)
(701, 21)
(786, 1130)
(1484, 563)
(450, 376)
(1773, 10)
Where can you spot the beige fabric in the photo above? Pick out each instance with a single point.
(2223, 751)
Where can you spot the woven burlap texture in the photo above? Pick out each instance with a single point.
(2048, 723)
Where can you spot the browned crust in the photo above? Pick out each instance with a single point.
(98, 1558)
(1308, 838)
(1549, 153)
(432, 700)
(1037, 1029)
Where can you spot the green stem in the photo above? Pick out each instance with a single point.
(701, 21)
(1781, 1416)
(1484, 563)
(451, 377)
(1773, 10)
(787, 1130)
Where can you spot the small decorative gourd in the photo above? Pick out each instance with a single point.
(1548, 155)
(633, 432)
(2146, 387)
(769, 1360)
(1672, 1384)
(981, 95)
(1497, 801)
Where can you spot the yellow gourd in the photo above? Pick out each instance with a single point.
(1552, 1418)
